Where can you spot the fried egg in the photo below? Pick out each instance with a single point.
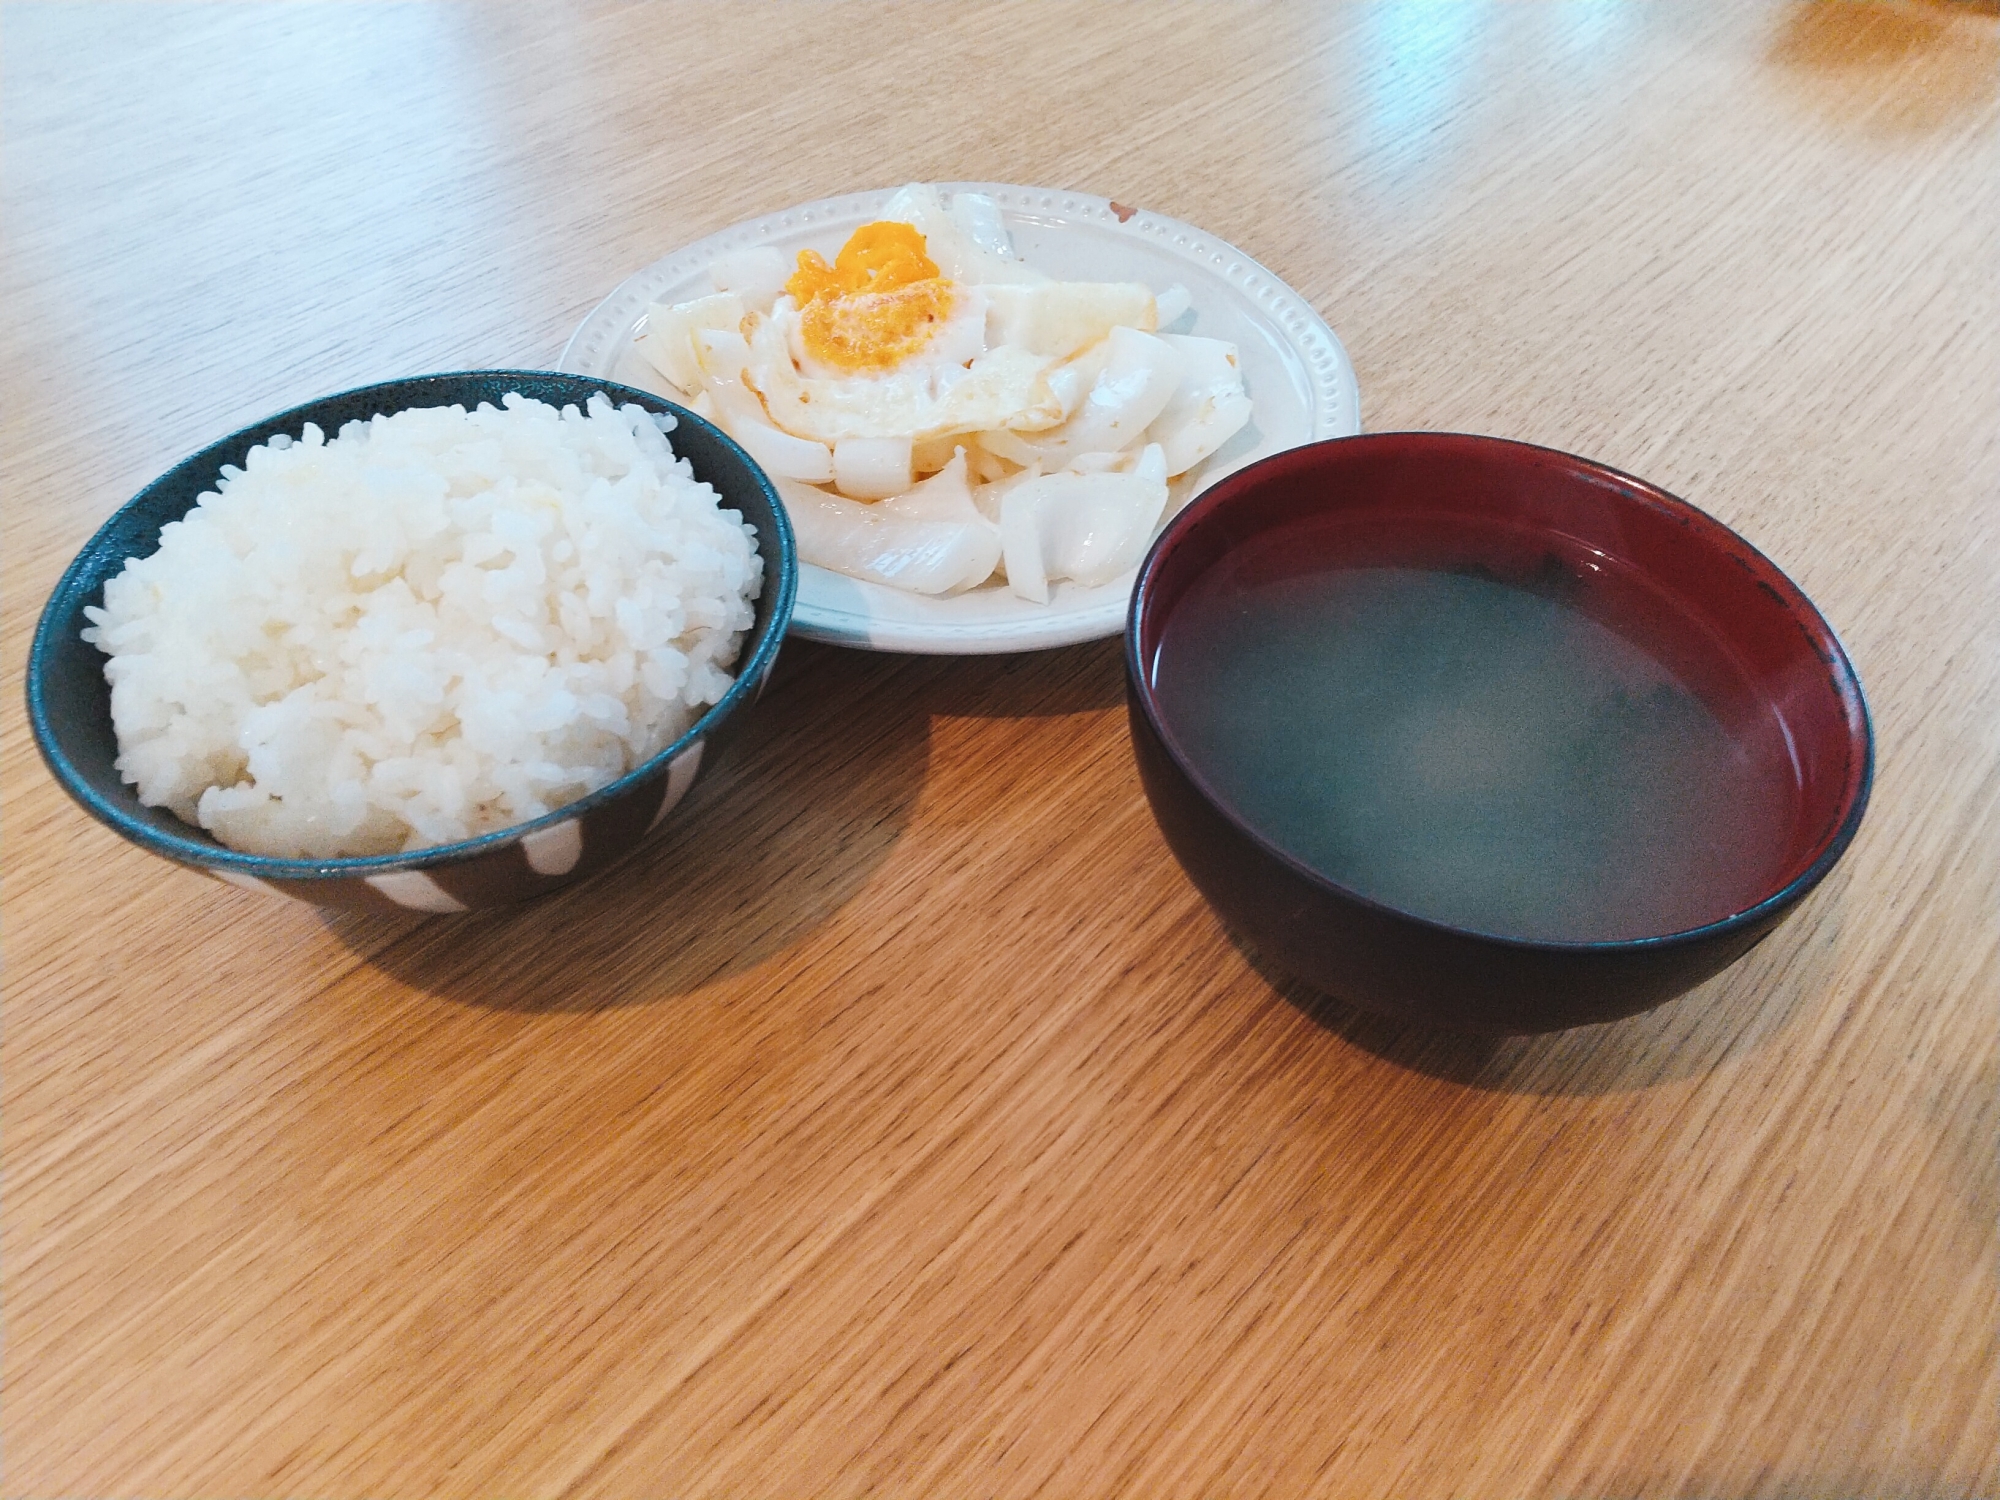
(930, 326)
(921, 400)
(880, 345)
(1047, 414)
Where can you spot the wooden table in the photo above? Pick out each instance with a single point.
(903, 1123)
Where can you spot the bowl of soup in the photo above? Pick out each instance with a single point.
(1486, 736)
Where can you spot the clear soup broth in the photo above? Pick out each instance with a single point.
(1491, 748)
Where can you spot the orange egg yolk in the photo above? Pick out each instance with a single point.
(877, 304)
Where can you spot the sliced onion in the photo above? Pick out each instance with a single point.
(931, 540)
(1210, 407)
(671, 330)
(757, 275)
(1089, 527)
(872, 468)
(1138, 379)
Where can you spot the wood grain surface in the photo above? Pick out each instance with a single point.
(902, 1122)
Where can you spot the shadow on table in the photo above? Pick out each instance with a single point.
(1037, 684)
(771, 844)
(1737, 1012)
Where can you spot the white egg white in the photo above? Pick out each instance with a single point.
(1000, 388)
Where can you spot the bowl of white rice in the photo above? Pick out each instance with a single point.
(437, 644)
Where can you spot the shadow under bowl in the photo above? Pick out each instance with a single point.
(1709, 615)
(69, 701)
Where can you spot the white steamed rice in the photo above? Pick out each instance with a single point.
(437, 624)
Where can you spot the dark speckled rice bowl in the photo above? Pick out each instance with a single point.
(69, 700)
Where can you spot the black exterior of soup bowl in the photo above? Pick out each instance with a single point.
(69, 702)
(1404, 966)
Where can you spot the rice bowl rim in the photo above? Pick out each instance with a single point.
(83, 581)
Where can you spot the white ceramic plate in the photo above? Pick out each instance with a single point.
(1300, 382)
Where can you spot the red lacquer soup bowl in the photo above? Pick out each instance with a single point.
(1486, 736)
